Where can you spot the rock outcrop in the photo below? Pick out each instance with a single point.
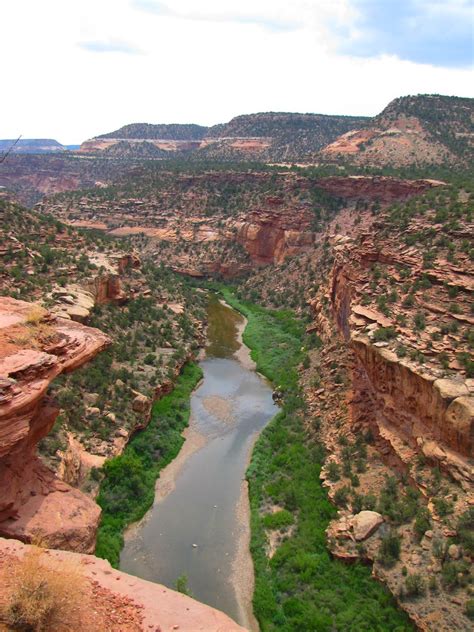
(365, 523)
(128, 603)
(376, 188)
(435, 416)
(412, 407)
(271, 236)
(34, 348)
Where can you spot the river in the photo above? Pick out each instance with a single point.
(199, 523)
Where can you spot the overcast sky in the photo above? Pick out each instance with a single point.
(72, 69)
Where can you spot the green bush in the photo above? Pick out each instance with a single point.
(470, 609)
(389, 550)
(455, 574)
(333, 471)
(415, 585)
(341, 496)
(278, 520)
(422, 522)
(465, 529)
(384, 334)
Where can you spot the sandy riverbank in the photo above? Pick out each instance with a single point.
(243, 575)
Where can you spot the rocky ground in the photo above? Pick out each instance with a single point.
(109, 600)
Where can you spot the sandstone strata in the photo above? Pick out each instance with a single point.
(34, 349)
(264, 229)
(412, 407)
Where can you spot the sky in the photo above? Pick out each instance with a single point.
(73, 69)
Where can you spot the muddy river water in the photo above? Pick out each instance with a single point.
(198, 525)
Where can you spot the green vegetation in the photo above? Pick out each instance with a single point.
(278, 520)
(182, 585)
(301, 587)
(415, 585)
(127, 491)
(384, 333)
(389, 551)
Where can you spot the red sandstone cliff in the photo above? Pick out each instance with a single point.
(34, 349)
(412, 408)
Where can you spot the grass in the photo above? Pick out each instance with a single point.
(128, 488)
(44, 594)
(301, 587)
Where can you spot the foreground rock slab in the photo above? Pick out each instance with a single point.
(160, 609)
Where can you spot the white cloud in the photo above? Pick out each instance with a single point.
(110, 46)
(196, 66)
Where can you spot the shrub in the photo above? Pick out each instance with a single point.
(44, 597)
(467, 363)
(433, 584)
(444, 360)
(455, 574)
(333, 471)
(419, 321)
(389, 551)
(384, 334)
(181, 585)
(443, 507)
(470, 609)
(341, 496)
(355, 482)
(415, 585)
(35, 315)
(401, 351)
(278, 520)
(465, 529)
(422, 522)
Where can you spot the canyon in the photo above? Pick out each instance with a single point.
(357, 285)
(272, 228)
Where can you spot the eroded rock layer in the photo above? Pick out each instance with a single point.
(34, 348)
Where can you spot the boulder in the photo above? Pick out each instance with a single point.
(141, 403)
(365, 523)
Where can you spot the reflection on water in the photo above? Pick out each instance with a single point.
(222, 336)
(194, 529)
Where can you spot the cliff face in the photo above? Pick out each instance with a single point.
(413, 408)
(271, 236)
(34, 349)
(413, 411)
(375, 188)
